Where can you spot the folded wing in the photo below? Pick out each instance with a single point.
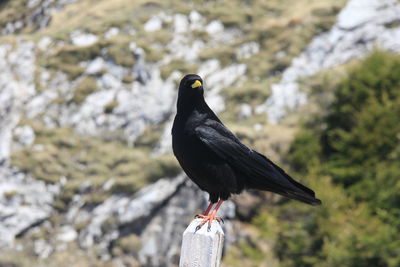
(260, 171)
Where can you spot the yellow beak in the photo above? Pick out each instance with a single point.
(196, 84)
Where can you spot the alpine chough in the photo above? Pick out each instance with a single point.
(215, 159)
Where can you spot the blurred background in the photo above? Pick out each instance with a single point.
(87, 99)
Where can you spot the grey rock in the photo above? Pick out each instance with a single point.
(247, 50)
(25, 135)
(96, 66)
(157, 214)
(67, 234)
(245, 111)
(196, 20)
(80, 38)
(16, 87)
(140, 70)
(153, 24)
(44, 43)
(38, 17)
(42, 248)
(111, 32)
(181, 23)
(24, 202)
(33, 3)
(214, 27)
(359, 29)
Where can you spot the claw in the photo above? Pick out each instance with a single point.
(207, 219)
(197, 228)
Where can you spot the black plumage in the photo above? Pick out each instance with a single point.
(215, 159)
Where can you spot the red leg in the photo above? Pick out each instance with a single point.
(206, 212)
(208, 208)
(211, 217)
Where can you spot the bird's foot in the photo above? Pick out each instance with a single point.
(208, 219)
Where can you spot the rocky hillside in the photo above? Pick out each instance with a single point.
(87, 98)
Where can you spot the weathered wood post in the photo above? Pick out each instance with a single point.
(202, 248)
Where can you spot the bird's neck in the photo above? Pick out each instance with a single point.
(185, 107)
(185, 110)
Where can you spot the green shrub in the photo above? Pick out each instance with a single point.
(359, 149)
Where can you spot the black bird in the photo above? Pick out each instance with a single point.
(215, 159)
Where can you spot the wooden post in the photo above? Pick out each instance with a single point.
(203, 247)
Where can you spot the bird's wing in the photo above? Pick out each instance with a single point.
(254, 165)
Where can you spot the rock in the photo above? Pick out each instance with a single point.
(359, 29)
(140, 70)
(16, 87)
(196, 21)
(109, 81)
(108, 184)
(245, 111)
(38, 15)
(29, 204)
(158, 214)
(111, 32)
(246, 50)
(67, 234)
(181, 23)
(96, 66)
(32, 3)
(359, 12)
(220, 79)
(80, 38)
(42, 249)
(214, 27)
(44, 43)
(25, 135)
(153, 24)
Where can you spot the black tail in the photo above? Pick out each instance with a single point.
(303, 193)
(311, 200)
(297, 190)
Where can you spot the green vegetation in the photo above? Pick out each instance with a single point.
(282, 28)
(225, 53)
(85, 87)
(110, 106)
(10, 194)
(12, 10)
(177, 65)
(127, 245)
(252, 93)
(119, 52)
(150, 136)
(347, 150)
(68, 257)
(67, 59)
(350, 157)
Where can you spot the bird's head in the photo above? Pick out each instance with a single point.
(190, 90)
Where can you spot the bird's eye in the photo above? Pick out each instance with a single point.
(196, 84)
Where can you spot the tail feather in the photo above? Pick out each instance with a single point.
(298, 191)
(311, 200)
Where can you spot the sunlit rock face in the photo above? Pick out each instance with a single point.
(24, 202)
(16, 87)
(361, 26)
(156, 215)
(128, 99)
